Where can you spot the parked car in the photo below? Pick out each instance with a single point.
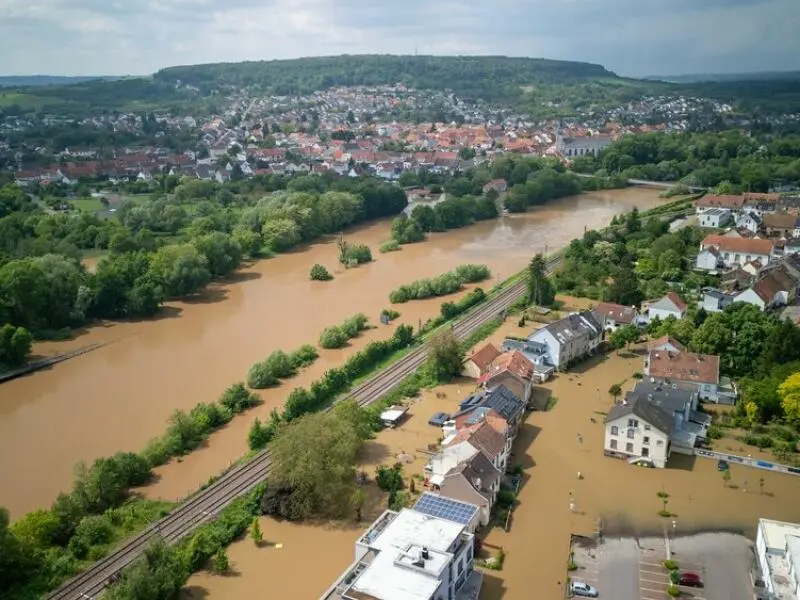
(690, 579)
(722, 465)
(582, 589)
(439, 419)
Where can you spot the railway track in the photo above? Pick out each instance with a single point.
(205, 505)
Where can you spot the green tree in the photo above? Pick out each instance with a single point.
(540, 290)
(319, 478)
(15, 345)
(255, 532)
(220, 563)
(221, 251)
(180, 269)
(623, 336)
(280, 234)
(444, 356)
(615, 391)
(789, 392)
(333, 337)
(625, 288)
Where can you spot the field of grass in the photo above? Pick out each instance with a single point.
(90, 205)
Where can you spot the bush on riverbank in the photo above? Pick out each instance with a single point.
(337, 335)
(15, 346)
(352, 255)
(447, 283)
(390, 246)
(279, 365)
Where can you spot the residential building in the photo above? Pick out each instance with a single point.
(778, 555)
(514, 371)
(772, 289)
(679, 401)
(569, 339)
(501, 400)
(410, 555)
(474, 481)
(482, 442)
(701, 370)
(713, 201)
(665, 344)
(708, 259)
(670, 305)
(638, 430)
(535, 352)
(739, 251)
(478, 362)
(435, 505)
(611, 315)
(749, 222)
(570, 147)
(715, 218)
(715, 300)
(781, 225)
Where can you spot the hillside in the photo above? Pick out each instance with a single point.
(728, 77)
(539, 87)
(36, 80)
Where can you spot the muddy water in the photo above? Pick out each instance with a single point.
(120, 396)
(536, 546)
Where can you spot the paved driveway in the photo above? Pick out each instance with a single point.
(723, 560)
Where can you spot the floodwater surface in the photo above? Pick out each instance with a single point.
(120, 396)
(622, 498)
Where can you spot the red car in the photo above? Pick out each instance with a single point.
(690, 580)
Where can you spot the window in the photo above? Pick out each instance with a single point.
(613, 444)
(647, 427)
(660, 443)
(460, 567)
(614, 430)
(629, 447)
(646, 441)
(645, 451)
(631, 434)
(469, 554)
(633, 423)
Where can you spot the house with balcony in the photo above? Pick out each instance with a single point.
(568, 340)
(680, 401)
(411, 555)
(778, 556)
(535, 352)
(638, 430)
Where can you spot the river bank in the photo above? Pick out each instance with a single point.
(119, 397)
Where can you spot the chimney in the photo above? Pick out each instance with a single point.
(425, 555)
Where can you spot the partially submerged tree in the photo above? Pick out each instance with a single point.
(444, 356)
(540, 290)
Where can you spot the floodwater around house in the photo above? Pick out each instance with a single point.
(623, 497)
(117, 398)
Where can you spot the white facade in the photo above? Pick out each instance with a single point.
(706, 260)
(664, 308)
(408, 556)
(750, 297)
(715, 301)
(778, 553)
(715, 218)
(449, 457)
(633, 437)
(750, 221)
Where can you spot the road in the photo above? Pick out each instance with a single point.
(659, 184)
(206, 504)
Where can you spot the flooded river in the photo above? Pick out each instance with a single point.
(118, 397)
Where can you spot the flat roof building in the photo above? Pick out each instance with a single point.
(778, 552)
(410, 555)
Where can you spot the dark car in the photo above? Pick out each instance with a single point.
(438, 419)
(722, 465)
(690, 579)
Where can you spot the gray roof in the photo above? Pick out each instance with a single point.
(510, 344)
(478, 468)
(500, 398)
(649, 413)
(575, 326)
(586, 142)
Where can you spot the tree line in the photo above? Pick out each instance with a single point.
(447, 283)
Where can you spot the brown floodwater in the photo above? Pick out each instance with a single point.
(623, 497)
(118, 397)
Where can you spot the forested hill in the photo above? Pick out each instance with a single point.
(487, 77)
(36, 80)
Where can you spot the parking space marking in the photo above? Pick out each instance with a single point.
(642, 590)
(656, 565)
(649, 598)
(656, 581)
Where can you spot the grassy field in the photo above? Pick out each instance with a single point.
(90, 205)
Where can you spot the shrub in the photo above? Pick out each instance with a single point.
(670, 565)
(673, 590)
(390, 246)
(674, 576)
(447, 283)
(389, 314)
(260, 376)
(715, 432)
(352, 326)
(279, 364)
(332, 337)
(506, 498)
(303, 356)
(389, 479)
(320, 273)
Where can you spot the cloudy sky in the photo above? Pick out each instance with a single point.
(631, 37)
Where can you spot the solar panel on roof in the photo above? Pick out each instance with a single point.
(445, 508)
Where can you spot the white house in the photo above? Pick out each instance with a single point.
(739, 251)
(751, 221)
(638, 430)
(778, 554)
(410, 555)
(611, 316)
(774, 288)
(708, 260)
(701, 370)
(568, 339)
(448, 457)
(715, 217)
(670, 305)
(715, 300)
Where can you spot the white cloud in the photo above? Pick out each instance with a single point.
(634, 37)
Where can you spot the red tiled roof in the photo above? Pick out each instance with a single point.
(712, 200)
(511, 362)
(665, 339)
(483, 357)
(739, 245)
(684, 366)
